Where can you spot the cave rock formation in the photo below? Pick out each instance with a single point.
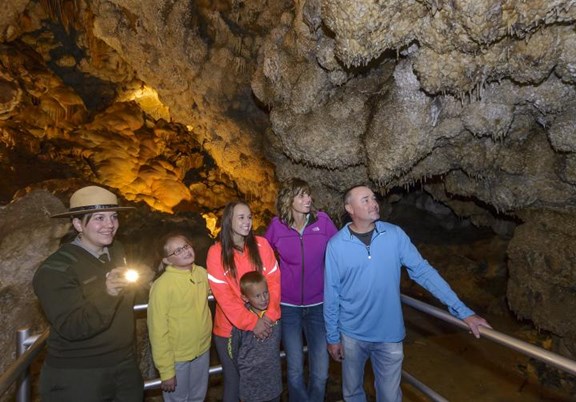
(185, 104)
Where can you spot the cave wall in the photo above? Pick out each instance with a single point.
(471, 101)
(183, 105)
(542, 276)
(27, 237)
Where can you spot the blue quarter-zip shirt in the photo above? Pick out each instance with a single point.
(362, 285)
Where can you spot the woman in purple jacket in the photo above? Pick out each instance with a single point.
(299, 235)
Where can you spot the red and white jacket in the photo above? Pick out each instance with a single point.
(230, 309)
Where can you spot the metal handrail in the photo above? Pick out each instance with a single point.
(22, 363)
(36, 343)
(419, 385)
(155, 383)
(526, 348)
(23, 392)
(144, 306)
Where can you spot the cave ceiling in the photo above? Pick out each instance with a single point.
(186, 104)
(183, 105)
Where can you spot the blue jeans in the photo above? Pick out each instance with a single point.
(309, 320)
(386, 359)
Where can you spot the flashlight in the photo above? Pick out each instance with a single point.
(131, 275)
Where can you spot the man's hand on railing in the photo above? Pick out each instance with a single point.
(474, 322)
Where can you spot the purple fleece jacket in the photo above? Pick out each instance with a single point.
(301, 258)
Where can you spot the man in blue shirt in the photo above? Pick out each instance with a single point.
(362, 306)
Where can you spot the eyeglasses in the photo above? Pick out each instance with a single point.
(179, 250)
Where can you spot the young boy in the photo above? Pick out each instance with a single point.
(258, 361)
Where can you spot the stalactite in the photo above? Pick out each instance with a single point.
(64, 11)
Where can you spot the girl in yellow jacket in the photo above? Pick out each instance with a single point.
(180, 323)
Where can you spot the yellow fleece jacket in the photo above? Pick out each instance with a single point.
(179, 319)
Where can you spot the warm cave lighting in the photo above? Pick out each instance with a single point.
(131, 275)
(211, 224)
(147, 98)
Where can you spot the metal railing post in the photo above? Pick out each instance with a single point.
(23, 387)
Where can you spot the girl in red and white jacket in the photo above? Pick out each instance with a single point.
(239, 251)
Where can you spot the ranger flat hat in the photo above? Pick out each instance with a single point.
(91, 199)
